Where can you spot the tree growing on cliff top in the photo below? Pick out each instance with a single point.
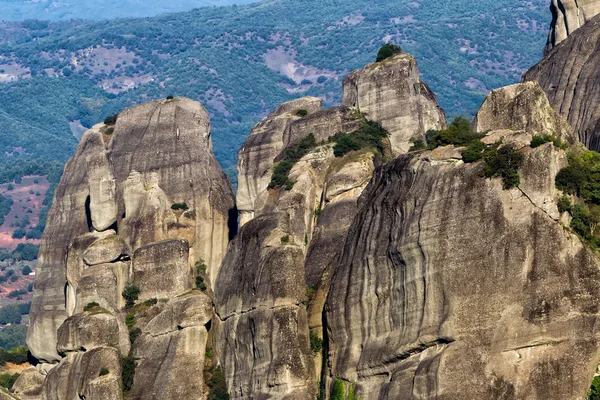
(387, 51)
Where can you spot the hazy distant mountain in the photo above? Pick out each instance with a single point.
(53, 10)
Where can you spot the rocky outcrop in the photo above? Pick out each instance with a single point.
(568, 16)
(521, 107)
(569, 76)
(29, 385)
(449, 286)
(112, 223)
(391, 93)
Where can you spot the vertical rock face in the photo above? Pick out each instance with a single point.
(569, 76)
(111, 223)
(568, 16)
(391, 93)
(450, 287)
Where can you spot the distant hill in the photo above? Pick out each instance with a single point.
(241, 61)
(19, 10)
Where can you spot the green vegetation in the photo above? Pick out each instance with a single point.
(6, 204)
(23, 252)
(103, 371)
(459, 133)
(539, 140)
(290, 157)
(7, 380)
(503, 162)
(111, 120)
(316, 343)
(91, 306)
(338, 391)
(201, 275)
(12, 336)
(11, 314)
(17, 355)
(581, 179)
(130, 294)
(417, 144)
(369, 135)
(285, 239)
(215, 380)
(26, 270)
(169, 97)
(128, 373)
(387, 51)
(130, 320)
(179, 206)
(594, 392)
(302, 113)
(134, 334)
(150, 302)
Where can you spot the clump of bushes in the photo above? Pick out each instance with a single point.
(290, 157)
(504, 162)
(201, 275)
(387, 51)
(302, 113)
(594, 392)
(7, 380)
(128, 373)
(111, 120)
(215, 380)
(91, 306)
(18, 355)
(338, 391)
(179, 206)
(459, 133)
(316, 343)
(130, 294)
(581, 178)
(104, 371)
(151, 302)
(370, 135)
(417, 144)
(134, 334)
(285, 239)
(539, 140)
(169, 97)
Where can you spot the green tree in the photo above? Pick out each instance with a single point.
(387, 51)
(10, 314)
(130, 294)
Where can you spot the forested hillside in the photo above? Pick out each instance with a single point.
(241, 61)
(19, 10)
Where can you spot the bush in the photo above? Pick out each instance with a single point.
(19, 233)
(7, 380)
(387, 51)
(582, 221)
(130, 320)
(285, 239)
(217, 385)
(474, 152)
(18, 356)
(151, 302)
(369, 135)
(594, 392)
(200, 284)
(104, 371)
(134, 334)
(24, 308)
(417, 144)
(130, 294)
(564, 204)
(302, 113)
(128, 373)
(539, 140)
(504, 163)
(10, 314)
(316, 343)
(290, 157)
(26, 270)
(170, 97)
(91, 306)
(111, 120)
(179, 206)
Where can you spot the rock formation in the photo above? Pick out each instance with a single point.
(568, 16)
(391, 93)
(140, 202)
(569, 76)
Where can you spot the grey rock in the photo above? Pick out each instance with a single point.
(106, 251)
(186, 311)
(569, 76)
(89, 330)
(521, 107)
(568, 16)
(103, 191)
(78, 376)
(161, 270)
(449, 286)
(390, 92)
(29, 384)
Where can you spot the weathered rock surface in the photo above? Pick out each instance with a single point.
(78, 376)
(171, 350)
(568, 16)
(115, 198)
(88, 330)
(521, 107)
(569, 76)
(449, 286)
(29, 384)
(390, 92)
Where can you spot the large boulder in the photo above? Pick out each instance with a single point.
(391, 92)
(89, 330)
(569, 76)
(29, 385)
(567, 17)
(521, 107)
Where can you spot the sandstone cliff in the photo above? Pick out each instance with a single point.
(112, 222)
(569, 76)
(568, 16)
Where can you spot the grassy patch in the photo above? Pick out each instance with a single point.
(290, 157)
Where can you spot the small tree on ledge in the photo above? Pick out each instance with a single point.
(387, 51)
(130, 294)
